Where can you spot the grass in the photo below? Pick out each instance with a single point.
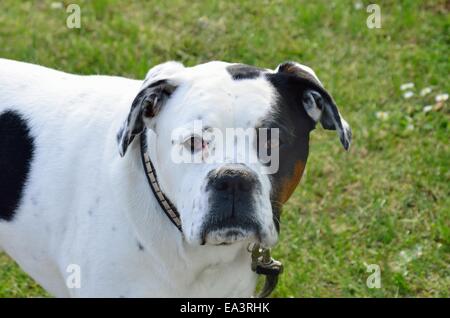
(385, 202)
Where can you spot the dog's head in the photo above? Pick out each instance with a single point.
(230, 142)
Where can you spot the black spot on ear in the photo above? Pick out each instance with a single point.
(140, 247)
(242, 71)
(147, 103)
(16, 154)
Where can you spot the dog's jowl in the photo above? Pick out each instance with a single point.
(154, 187)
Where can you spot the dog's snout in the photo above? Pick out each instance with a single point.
(232, 179)
(232, 192)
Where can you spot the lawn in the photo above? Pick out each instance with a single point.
(385, 202)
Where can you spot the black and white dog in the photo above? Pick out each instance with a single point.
(74, 194)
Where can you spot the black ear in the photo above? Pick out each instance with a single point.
(146, 104)
(318, 103)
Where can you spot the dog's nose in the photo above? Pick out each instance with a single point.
(233, 183)
(232, 193)
(233, 178)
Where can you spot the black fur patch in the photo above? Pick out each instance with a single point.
(16, 153)
(242, 71)
(294, 125)
(292, 68)
(291, 73)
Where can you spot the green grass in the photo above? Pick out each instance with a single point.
(385, 202)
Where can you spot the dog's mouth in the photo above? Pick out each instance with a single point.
(228, 236)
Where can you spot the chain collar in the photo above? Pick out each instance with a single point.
(165, 204)
(264, 264)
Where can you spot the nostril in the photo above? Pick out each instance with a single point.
(222, 185)
(233, 184)
(244, 186)
(232, 181)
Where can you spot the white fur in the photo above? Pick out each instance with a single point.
(83, 204)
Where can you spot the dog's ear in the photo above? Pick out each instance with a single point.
(146, 104)
(318, 103)
(155, 91)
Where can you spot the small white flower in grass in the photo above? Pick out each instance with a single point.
(425, 91)
(358, 5)
(410, 127)
(419, 251)
(408, 94)
(441, 98)
(382, 115)
(428, 108)
(406, 86)
(56, 5)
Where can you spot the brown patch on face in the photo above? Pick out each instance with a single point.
(289, 184)
(290, 68)
(294, 69)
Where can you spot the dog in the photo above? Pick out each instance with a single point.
(83, 217)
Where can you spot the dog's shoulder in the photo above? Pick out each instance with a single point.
(20, 77)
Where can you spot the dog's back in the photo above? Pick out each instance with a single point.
(55, 131)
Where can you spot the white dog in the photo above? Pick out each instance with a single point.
(80, 213)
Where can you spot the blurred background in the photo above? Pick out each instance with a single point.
(386, 202)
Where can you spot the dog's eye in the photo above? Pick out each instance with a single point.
(268, 142)
(273, 142)
(194, 144)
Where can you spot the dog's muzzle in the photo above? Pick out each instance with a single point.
(232, 191)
